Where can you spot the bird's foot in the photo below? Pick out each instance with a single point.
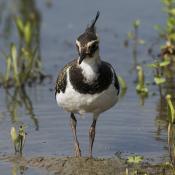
(77, 151)
(90, 156)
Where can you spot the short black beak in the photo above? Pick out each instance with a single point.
(82, 57)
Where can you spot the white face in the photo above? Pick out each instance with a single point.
(89, 48)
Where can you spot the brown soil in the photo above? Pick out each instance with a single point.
(87, 166)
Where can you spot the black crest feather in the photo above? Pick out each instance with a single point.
(92, 26)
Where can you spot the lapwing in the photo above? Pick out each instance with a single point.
(87, 84)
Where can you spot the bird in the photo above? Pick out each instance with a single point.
(87, 84)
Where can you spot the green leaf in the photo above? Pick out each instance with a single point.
(172, 36)
(171, 110)
(159, 80)
(130, 35)
(135, 159)
(8, 66)
(172, 11)
(157, 64)
(123, 85)
(141, 41)
(20, 25)
(164, 63)
(136, 23)
(14, 63)
(153, 65)
(13, 51)
(13, 134)
(141, 89)
(140, 76)
(122, 82)
(166, 2)
(28, 33)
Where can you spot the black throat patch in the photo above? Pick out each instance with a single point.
(80, 84)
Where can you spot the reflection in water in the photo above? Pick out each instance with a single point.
(162, 119)
(141, 89)
(18, 169)
(15, 100)
(142, 97)
(162, 113)
(28, 53)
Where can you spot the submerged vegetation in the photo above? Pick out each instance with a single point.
(18, 139)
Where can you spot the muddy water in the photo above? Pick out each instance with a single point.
(128, 127)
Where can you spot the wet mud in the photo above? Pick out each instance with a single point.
(87, 166)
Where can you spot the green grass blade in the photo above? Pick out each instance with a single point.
(8, 66)
(15, 64)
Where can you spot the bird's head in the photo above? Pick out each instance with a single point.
(88, 43)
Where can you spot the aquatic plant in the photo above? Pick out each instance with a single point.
(164, 63)
(171, 135)
(18, 169)
(18, 139)
(20, 67)
(24, 30)
(23, 62)
(141, 87)
(159, 68)
(135, 40)
(123, 85)
(167, 31)
(135, 159)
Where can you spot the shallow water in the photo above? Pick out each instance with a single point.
(8, 168)
(128, 127)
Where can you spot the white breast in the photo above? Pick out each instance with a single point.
(89, 67)
(89, 71)
(73, 101)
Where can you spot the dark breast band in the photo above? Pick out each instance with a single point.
(103, 81)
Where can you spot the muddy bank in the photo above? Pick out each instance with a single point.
(70, 165)
(87, 166)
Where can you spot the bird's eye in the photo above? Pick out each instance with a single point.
(93, 47)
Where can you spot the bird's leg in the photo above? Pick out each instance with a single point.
(73, 123)
(91, 136)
